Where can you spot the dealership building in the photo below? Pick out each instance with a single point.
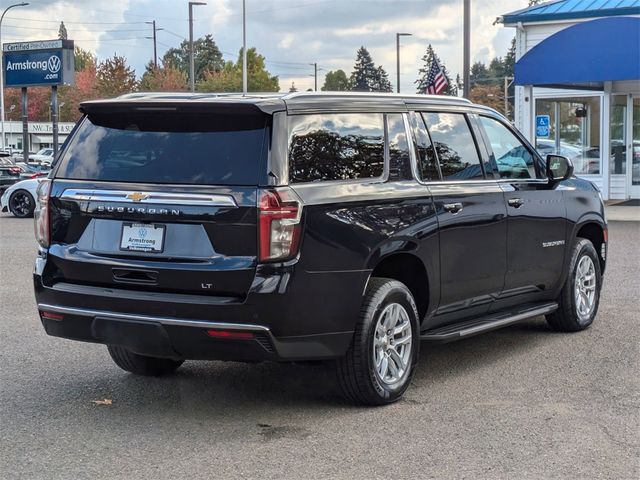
(40, 134)
(577, 78)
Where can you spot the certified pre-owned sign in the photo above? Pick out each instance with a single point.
(25, 67)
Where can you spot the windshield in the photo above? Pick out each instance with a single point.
(182, 148)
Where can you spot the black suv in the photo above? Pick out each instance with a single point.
(307, 227)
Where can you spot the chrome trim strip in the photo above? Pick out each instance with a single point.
(162, 198)
(144, 318)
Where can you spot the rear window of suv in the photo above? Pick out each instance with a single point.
(168, 147)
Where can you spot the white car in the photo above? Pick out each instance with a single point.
(44, 155)
(20, 198)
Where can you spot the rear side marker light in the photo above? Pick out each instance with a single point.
(231, 335)
(51, 316)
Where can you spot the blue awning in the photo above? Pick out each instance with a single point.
(585, 54)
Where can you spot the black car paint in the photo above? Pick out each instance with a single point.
(487, 257)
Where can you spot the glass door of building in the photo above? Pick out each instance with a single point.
(633, 149)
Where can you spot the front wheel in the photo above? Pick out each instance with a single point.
(379, 364)
(141, 364)
(22, 204)
(580, 295)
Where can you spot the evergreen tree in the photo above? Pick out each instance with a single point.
(62, 32)
(206, 57)
(336, 81)
(365, 76)
(293, 88)
(382, 83)
(510, 59)
(427, 59)
(496, 69)
(478, 74)
(84, 59)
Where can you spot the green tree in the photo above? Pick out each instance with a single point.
(509, 61)
(62, 32)
(382, 83)
(164, 78)
(229, 77)
(207, 57)
(366, 77)
(478, 74)
(115, 77)
(336, 81)
(496, 69)
(83, 59)
(427, 59)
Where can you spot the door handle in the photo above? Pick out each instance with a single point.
(515, 202)
(453, 207)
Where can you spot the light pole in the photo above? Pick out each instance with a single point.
(155, 47)
(398, 35)
(23, 4)
(466, 64)
(315, 76)
(192, 80)
(244, 47)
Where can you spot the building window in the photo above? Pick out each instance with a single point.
(573, 131)
(618, 135)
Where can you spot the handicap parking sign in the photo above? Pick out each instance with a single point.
(542, 126)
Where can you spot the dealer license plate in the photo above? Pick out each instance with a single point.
(142, 237)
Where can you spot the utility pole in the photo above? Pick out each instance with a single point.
(155, 46)
(315, 76)
(398, 35)
(466, 48)
(23, 4)
(244, 47)
(507, 82)
(192, 79)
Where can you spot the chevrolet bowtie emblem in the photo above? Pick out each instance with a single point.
(137, 196)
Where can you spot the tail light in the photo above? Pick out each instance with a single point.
(15, 170)
(279, 215)
(41, 214)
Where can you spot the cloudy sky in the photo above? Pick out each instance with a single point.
(291, 34)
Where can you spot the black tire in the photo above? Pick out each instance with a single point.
(141, 364)
(357, 373)
(22, 204)
(568, 318)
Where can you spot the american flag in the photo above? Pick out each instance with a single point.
(436, 81)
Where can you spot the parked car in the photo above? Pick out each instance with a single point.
(32, 170)
(44, 155)
(344, 227)
(20, 198)
(585, 161)
(9, 172)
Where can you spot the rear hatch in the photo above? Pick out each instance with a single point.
(159, 199)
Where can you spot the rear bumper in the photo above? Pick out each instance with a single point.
(310, 318)
(186, 339)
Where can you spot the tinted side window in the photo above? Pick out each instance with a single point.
(512, 158)
(399, 160)
(455, 146)
(336, 147)
(425, 152)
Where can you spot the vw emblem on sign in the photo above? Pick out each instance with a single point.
(142, 232)
(53, 64)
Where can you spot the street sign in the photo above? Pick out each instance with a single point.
(542, 126)
(41, 63)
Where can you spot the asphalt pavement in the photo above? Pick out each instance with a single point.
(519, 403)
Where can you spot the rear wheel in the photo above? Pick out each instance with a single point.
(379, 364)
(580, 295)
(22, 204)
(141, 364)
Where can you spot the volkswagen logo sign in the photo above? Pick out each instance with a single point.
(54, 64)
(142, 232)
